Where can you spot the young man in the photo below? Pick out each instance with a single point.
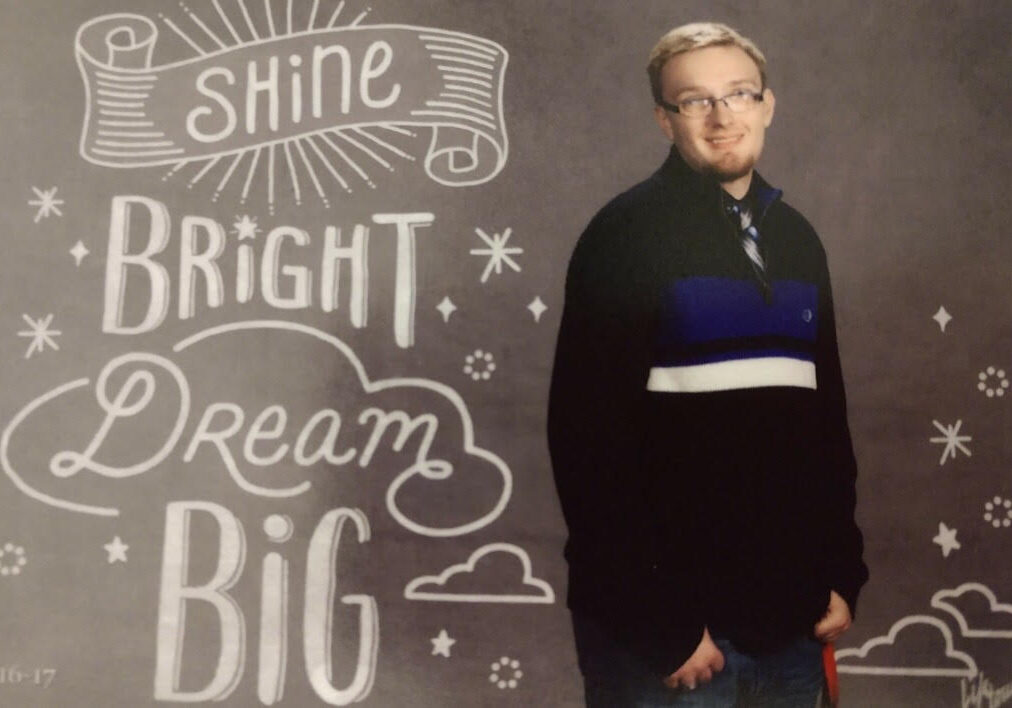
(697, 421)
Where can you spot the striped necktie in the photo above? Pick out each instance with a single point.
(742, 215)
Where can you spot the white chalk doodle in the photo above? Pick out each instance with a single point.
(998, 512)
(946, 539)
(320, 108)
(942, 318)
(992, 382)
(505, 673)
(460, 583)
(245, 227)
(498, 253)
(441, 644)
(46, 202)
(12, 559)
(116, 550)
(979, 692)
(446, 308)
(479, 365)
(857, 660)
(79, 251)
(138, 389)
(537, 308)
(999, 612)
(40, 333)
(952, 440)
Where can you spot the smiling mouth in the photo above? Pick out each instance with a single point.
(727, 140)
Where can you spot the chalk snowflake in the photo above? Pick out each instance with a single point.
(952, 439)
(40, 333)
(47, 203)
(497, 252)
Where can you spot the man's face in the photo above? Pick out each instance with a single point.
(724, 144)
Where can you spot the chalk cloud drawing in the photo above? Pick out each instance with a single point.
(12, 559)
(441, 644)
(140, 387)
(952, 440)
(446, 308)
(537, 308)
(79, 251)
(47, 203)
(942, 318)
(339, 96)
(946, 539)
(505, 673)
(980, 603)
(116, 550)
(992, 382)
(463, 582)
(884, 656)
(998, 512)
(40, 334)
(498, 253)
(479, 365)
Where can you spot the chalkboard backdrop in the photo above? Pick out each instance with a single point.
(281, 283)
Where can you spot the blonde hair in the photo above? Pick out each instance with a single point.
(696, 36)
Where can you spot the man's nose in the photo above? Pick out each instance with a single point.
(721, 114)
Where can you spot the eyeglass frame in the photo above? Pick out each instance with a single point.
(757, 97)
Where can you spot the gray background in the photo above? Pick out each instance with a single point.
(891, 135)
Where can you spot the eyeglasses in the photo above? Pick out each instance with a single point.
(737, 102)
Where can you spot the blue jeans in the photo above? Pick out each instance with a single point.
(791, 677)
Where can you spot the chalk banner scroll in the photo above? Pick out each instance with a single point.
(322, 83)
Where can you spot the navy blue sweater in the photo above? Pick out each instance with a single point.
(697, 424)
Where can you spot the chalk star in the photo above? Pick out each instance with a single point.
(946, 538)
(40, 333)
(116, 550)
(537, 308)
(245, 227)
(942, 318)
(952, 439)
(446, 308)
(79, 251)
(497, 252)
(441, 644)
(47, 203)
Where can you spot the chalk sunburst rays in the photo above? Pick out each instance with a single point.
(306, 162)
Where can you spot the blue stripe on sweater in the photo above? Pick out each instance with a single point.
(705, 309)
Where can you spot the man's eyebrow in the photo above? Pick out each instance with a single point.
(701, 89)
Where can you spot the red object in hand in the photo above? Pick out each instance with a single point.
(832, 681)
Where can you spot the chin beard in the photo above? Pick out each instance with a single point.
(729, 173)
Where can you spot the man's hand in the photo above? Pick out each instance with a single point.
(835, 622)
(706, 661)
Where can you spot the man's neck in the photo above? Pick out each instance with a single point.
(738, 188)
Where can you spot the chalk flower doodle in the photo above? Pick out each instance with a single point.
(12, 559)
(324, 101)
(140, 385)
(971, 596)
(505, 673)
(875, 658)
(463, 583)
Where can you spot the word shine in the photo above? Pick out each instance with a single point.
(284, 286)
(228, 544)
(330, 68)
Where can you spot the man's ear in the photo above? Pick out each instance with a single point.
(664, 121)
(769, 103)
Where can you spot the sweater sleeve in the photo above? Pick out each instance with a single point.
(843, 567)
(595, 427)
